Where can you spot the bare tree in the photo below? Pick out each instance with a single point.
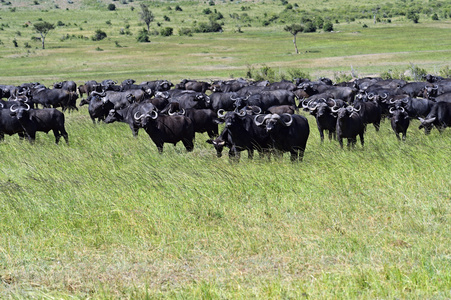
(146, 15)
(294, 29)
(43, 28)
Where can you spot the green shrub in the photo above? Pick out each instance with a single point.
(445, 72)
(309, 27)
(328, 26)
(111, 6)
(99, 35)
(185, 31)
(167, 31)
(417, 72)
(143, 36)
(411, 15)
(298, 73)
(208, 27)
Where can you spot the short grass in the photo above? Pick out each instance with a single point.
(366, 51)
(107, 217)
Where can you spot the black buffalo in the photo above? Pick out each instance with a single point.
(244, 134)
(326, 120)
(33, 120)
(439, 116)
(132, 115)
(287, 133)
(9, 125)
(349, 126)
(400, 121)
(53, 97)
(169, 129)
(204, 120)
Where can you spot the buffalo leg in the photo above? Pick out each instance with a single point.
(321, 134)
(377, 125)
(294, 155)
(189, 144)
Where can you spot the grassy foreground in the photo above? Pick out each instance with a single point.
(107, 217)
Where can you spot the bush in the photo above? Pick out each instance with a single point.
(328, 26)
(208, 27)
(167, 31)
(143, 36)
(99, 35)
(298, 73)
(111, 6)
(411, 15)
(435, 17)
(185, 31)
(178, 8)
(309, 27)
(445, 72)
(417, 72)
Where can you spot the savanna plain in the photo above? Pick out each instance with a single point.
(107, 217)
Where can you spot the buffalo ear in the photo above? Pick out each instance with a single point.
(218, 121)
(209, 141)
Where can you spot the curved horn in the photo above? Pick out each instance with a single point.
(405, 100)
(221, 113)
(136, 117)
(391, 110)
(258, 108)
(153, 114)
(402, 109)
(356, 110)
(1, 105)
(242, 113)
(103, 94)
(385, 96)
(289, 122)
(334, 110)
(333, 100)
(12, 109)
(371, 96)
(28, 107)
(313, 108)
(263, 121)
(435, 87)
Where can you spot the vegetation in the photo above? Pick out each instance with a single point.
(43, 29)
(99, 35)
(146, 15)
(294, 29)
(107, 217)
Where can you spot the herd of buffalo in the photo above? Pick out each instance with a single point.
(259, 116)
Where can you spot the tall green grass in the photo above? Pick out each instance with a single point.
(108, 217)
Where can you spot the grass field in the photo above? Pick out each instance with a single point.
(107, 217)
